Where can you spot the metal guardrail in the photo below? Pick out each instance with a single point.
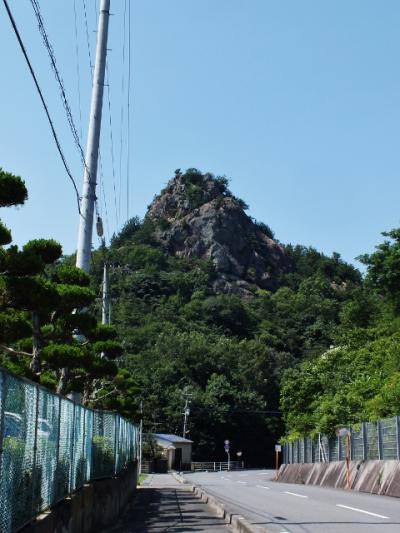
(216, 466)
(371, 440)
(50, 446)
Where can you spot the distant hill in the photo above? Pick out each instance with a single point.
(196, 215)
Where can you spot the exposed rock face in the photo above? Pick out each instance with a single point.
(196, 215)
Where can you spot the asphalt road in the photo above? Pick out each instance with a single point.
(300, 508)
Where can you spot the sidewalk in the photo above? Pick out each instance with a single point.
(163, 504)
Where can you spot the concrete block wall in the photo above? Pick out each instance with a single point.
(374, 477)
(91, 509)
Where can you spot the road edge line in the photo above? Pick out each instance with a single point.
(238, 523)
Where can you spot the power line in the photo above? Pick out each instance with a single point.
(129, 118)
(87, 38)
(78, 74)
(50, 51)
(104, 196)
(111, 144)
(122, 111)
(23, 49)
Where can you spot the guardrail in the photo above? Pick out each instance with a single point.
(50, 446)
(370, 440)
(216, 466)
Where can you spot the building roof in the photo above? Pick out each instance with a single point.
(173, 439)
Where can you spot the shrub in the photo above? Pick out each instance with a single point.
(265, 229)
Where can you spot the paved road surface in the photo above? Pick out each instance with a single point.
(164, 505)
(300, 508)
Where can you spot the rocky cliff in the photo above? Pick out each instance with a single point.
(197, 215)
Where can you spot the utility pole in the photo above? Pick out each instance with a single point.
(105, 307)
(92, 149)
(140, 437)
(186, 413)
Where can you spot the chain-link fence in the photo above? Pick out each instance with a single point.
(371, 440)
(50, 446)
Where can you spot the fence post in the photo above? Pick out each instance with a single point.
(364, 441)
(83, 462)
(2, 409)
(115, 444)
(72, 450)
(91, 446)
(351, 445)
(55, 491)
(36, 388)
(397, 420)
(380, 443)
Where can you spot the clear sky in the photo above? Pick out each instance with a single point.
(298, 102)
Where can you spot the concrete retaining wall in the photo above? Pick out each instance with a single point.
(90, 509)
(375, 477)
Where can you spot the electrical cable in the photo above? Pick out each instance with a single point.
(128, 112)
(78, 74)
(23, 49)
(67, 107)
(112, 144)
(104, 196)
(121, 144)
(87, 38)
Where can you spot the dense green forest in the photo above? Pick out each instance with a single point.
(318, 351)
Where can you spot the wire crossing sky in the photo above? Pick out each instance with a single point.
(297, 102)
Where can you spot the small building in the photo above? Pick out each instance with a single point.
(177, 450)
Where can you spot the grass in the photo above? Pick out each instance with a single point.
(142, 477)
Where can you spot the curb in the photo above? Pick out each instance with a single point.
(238, 523)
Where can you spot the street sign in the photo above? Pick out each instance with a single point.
(226, 445)
(278, 448)
(341, 432)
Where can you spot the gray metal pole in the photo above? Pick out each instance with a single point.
(92, 150)
(105, 315)
(140, 438)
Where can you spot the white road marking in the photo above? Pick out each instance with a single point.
(262, 474)
(295, 494)
(242, 482)
(362, 511)
(262, 487)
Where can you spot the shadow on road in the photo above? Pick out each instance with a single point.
(167, 509)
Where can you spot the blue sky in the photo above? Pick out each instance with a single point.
(298, 102)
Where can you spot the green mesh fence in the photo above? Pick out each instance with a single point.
(370, 440)
(50, 446)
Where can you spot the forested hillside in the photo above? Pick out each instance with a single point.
(186, 331)
(266, 339)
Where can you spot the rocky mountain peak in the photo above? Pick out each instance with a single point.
(197, 215)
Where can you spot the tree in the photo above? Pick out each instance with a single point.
(384, 267)
(40, 301)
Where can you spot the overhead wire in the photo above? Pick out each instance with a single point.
(128, 113)
(121, 143)
(34, 77)
(78, 73)
(112, 144)
(53, 62)
(87, 37)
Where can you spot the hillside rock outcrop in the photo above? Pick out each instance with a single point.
(197, 216)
